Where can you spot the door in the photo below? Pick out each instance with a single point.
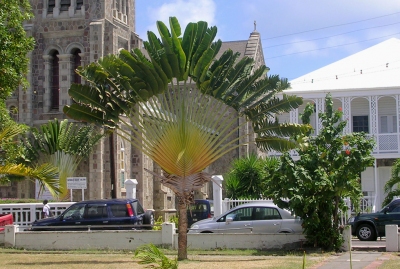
(241, 221)
(73, 217)
(96, 215)
(266, 220)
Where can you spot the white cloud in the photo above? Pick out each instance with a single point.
(185, 11)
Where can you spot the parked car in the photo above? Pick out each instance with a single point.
(370, 226)
(110, 214)
(201, 209)
(255, 217)
(5, 219)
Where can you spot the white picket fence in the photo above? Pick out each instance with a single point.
(366, 206)
(25, 214)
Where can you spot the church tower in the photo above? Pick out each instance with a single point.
(68, 34)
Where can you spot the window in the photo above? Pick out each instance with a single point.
(242, 214)
(75, 212)
(64, 5)
(52, 4)
(266, 213)
(360, 124)
(95, 211)
(77, 62)
(387, 124)
(119, 210)
(55, 83)
(138, 209)
(79, 4)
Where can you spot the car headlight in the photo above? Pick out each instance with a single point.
(194, 226)
(351, 219)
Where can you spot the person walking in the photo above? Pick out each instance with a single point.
(46, 210)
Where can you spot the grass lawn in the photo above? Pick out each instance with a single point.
(22, 259)
(232, 259)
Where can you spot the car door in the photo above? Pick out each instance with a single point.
(391, 217)
(266, 220)
(73, 217)
(96, 214)
(237, 221)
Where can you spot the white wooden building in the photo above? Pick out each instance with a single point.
(366, 85)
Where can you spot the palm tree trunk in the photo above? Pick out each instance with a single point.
(182, 231)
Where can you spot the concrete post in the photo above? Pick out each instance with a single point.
(346, 238)
(130, 186)
(167, 234)
(9, 235)
(392, 238)
(217, 194)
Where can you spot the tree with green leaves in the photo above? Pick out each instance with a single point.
(329, 169)
(392, 187)
(14, 45)
(247, 177)
(63, 144)
(11, 169)
(181, 107)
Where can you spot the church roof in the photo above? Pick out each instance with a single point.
(235, 46)
(375, 67)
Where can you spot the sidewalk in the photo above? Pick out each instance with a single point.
(360, 260)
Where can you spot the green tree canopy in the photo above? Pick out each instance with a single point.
(248, 177)
(14, 45)
(329, 169)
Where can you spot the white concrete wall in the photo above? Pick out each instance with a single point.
(130, 240)
(86, 240)
(243, 241)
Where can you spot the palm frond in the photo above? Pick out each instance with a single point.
(45, 173)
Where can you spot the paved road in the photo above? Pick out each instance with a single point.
(377, 243)
(358, 260)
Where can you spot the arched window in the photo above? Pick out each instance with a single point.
(55, 82)
(64, 5)
(76, 59)
(122, 165)
(79, 4)
(52, 4)
(13, 111)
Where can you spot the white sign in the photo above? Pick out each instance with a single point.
(76, 183)
(44, 194)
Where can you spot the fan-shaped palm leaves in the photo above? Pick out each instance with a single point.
(182, 106)
(392, 187)
(64, 145)
(45, 173)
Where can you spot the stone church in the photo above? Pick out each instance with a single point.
(72, 33)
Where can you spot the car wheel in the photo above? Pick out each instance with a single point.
(148, 219)
(366, 232)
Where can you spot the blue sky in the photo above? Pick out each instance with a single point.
(292, 47)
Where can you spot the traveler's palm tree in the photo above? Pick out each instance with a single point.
(181, 107)
(64, 145)
(45, 173)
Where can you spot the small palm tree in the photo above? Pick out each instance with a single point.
(392, 187)
(63, 145)
(181, 107)
(45, 173)
(151, 255)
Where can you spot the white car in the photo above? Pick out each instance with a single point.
(255, 217)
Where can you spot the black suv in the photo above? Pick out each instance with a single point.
(102, 214)
(369, 226)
